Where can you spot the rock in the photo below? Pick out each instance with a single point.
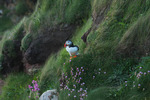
(31, 69)
(1, 12)
(49, 41)
(11, 57)
(49, 95)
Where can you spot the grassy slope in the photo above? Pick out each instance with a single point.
(5, 21)
(125, 21)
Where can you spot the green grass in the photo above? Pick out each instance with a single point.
(26, 41)
(5, 23)
(21, 7)
(137, 34)
(16, 87)
(126, 22)
(133, 91)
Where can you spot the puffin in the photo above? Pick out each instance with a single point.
(71, 49)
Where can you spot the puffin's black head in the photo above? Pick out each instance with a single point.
(68, 43)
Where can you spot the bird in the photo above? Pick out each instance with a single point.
(73, 50)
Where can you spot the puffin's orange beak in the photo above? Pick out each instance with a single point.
(65, 45)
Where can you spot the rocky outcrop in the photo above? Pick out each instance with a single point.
(48, 42)
(97, 18)
(12, 55)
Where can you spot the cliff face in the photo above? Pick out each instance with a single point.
(112, 35)
(48, 42)
(42, 34)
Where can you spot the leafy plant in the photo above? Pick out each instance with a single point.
(34, 90)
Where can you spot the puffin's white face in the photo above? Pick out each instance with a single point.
(68, 43)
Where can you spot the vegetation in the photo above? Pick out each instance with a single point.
(115, 58)
(21, 8)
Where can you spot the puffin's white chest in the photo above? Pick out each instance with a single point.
(72, 50)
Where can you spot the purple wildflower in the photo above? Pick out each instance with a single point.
(30, 87)
(81, 98)
(79, 73)
(83, 95)
(79, 81)
(139, 85)
(141, 72)
(74, 86)
(99, 69)
(81, 89)
(75, 96)
(71, 68)
(140, 67)
(65, 76)
(33, 81)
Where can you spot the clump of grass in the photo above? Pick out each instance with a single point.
(102, 93)
(98, 5)
(16, 87)
(21, 8)
(78, 9)
(133, 34)
(5, 24)
(50, 74)
(25, 42)
(137, 86)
